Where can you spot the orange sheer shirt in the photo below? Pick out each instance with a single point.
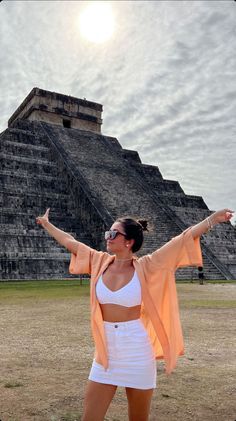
(159, 309)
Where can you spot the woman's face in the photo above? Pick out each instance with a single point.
(118, 244)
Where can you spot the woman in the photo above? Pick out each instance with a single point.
(134, 309)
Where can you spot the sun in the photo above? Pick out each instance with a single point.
(97, 22)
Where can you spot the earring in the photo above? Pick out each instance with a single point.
(127, 245)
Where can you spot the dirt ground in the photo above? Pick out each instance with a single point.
(46, 352)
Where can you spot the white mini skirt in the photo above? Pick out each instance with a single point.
(131, 360)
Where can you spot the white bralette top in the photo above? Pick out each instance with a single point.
(128, 296)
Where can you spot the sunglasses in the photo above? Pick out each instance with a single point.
(112, 234)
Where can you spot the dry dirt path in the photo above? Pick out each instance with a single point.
(46, 352)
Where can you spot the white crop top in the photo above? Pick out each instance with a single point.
(127, 296)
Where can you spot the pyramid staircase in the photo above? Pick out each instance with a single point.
(29, 183)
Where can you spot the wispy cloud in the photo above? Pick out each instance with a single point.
(166, 80)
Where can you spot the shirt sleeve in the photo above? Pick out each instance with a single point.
(183, 250)
(81, 261)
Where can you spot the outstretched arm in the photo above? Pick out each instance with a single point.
(215, 218)
(60, 236)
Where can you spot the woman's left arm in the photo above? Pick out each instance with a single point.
(215, 218)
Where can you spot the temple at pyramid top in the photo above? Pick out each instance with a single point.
(59, 109)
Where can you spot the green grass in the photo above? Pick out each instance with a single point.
(27, 290)
(16, 291)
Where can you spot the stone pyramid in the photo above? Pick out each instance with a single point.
(54, 155)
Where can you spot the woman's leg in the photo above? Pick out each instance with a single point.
(139, 402)
(98, 397)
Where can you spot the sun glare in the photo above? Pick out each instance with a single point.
(97, 22)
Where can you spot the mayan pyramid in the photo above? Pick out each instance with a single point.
(53, 154)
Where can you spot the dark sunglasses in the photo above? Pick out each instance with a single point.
(111, 234)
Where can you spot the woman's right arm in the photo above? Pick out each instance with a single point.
(60, 236)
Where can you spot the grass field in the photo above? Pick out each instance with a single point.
(60, 289)
(46, 352)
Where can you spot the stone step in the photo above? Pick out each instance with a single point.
(26, 160)
(32, 249)
(26, 224)
(218, 233)
(12, 181)
(38, 205)
(31, 185)
(230, 258)
(168, 190)
(192, 273)
(28, 166)
(31, 267)
(55, 213)
(191, 216)
(57, 255)
(18, 217)
(34, 231)
(25, 136)
(181, 200)
(27, 246)
(24, 150)
(17, 197)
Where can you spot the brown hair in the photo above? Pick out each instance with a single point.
(133, 230)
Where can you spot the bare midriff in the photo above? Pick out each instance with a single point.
(115, 313)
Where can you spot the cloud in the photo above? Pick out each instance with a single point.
(166, 80)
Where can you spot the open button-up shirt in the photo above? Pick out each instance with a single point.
(159, 308)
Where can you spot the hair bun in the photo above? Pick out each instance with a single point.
(144, 224)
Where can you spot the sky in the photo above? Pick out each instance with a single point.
(166, 79)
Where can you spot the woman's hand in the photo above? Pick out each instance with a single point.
(42, 220)
(60, 236)
(215, 218)
(223, 215)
